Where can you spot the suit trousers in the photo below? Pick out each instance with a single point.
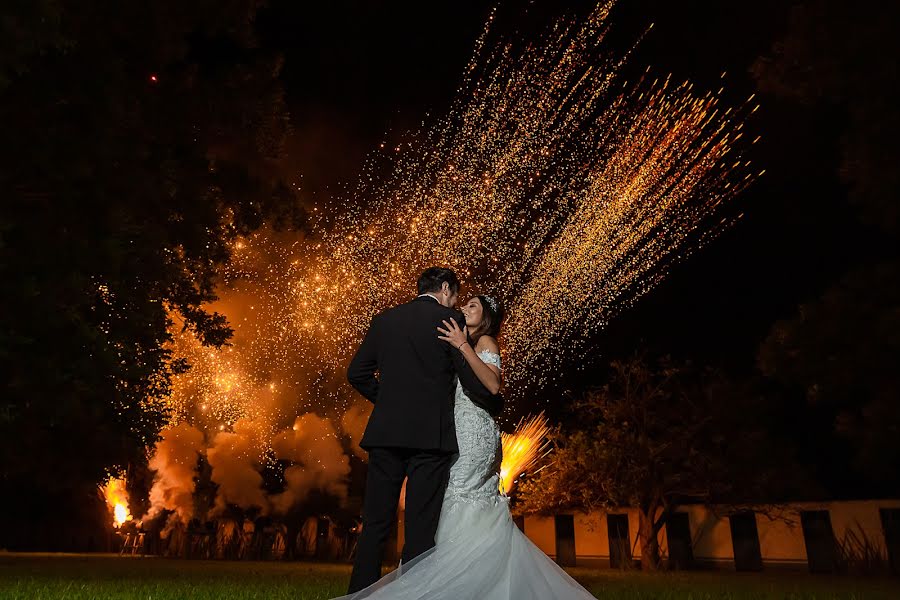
(428, 472)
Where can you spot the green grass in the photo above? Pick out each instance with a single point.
(79, 576)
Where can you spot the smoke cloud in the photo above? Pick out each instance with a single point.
(234, 457)
(175, 463)
(314, 447)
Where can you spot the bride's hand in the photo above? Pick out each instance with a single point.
(452, 334)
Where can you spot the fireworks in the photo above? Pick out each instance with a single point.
(553, 183)
(117, 499)
(523, 449)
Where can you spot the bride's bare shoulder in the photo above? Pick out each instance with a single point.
(488, 343)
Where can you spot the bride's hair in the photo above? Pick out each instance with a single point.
(491, 318)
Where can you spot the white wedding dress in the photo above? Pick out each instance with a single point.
(479, 552)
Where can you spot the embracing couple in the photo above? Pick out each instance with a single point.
(436, 394)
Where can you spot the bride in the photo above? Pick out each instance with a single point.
(479, 551)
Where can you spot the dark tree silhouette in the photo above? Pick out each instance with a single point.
(841, 353)
(139, 140)
(655, 438)
(841, 350)
(844, 56)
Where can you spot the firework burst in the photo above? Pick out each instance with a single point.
(553, 183)
(116, 497)
(523, 449)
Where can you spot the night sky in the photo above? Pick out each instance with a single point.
(358, 72)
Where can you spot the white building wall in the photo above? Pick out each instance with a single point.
(781, 538)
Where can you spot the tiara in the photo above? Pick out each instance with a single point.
(492, 303)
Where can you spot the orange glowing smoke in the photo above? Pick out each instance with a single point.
(117, 500)
(523, 448)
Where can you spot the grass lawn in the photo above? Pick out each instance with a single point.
(79, 576)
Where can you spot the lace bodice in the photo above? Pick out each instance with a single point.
(475, 475)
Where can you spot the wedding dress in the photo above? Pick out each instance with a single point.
(479, 552)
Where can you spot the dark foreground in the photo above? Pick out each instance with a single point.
(79, 576)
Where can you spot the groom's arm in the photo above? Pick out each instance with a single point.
(475, 390)
(361, 372)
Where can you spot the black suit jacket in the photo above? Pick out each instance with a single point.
(413, 393)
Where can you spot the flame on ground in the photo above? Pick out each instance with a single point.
(523, 448)
(117, 499)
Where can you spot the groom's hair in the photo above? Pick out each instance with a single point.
(431, 280)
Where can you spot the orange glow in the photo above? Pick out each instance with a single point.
(117, 500)
(523, 448)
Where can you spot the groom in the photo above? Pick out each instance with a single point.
(410, 433)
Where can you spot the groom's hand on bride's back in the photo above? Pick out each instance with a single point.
(492, 403)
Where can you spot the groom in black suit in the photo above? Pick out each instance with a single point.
(410, 433)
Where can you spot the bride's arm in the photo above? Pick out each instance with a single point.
(488, 375)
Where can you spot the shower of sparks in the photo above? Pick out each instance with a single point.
(116, 497)
(553, 183)
(523, 449)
